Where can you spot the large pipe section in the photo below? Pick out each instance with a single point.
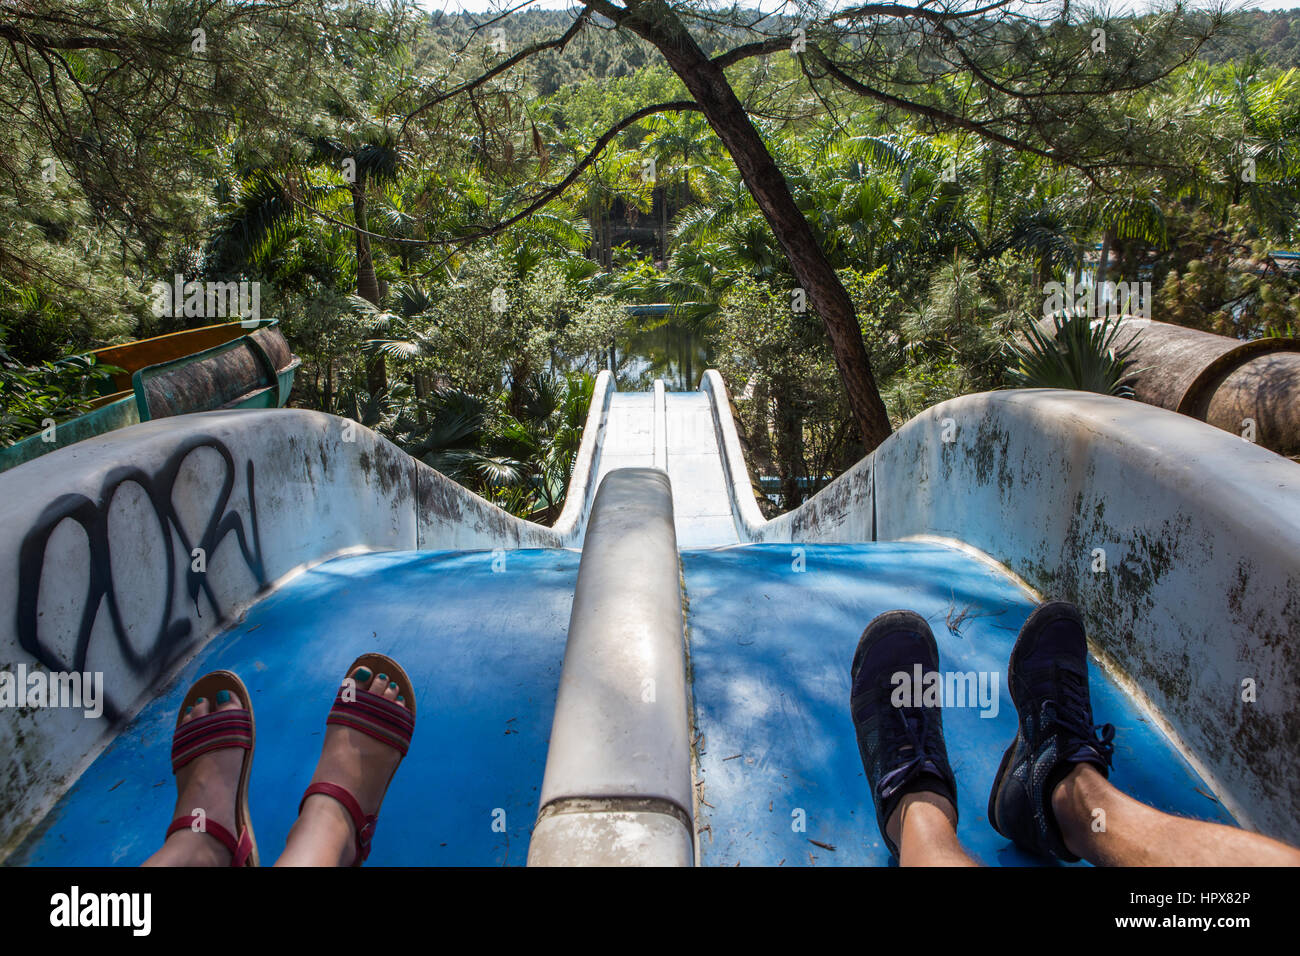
(1249, 388)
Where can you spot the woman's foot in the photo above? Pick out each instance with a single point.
(324, 834)
(208, 785)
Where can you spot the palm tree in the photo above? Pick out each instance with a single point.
(687, 155)
(446, 430)
(366, 163)
(267, 207)
(1083, 353)
(1131, 220)
(544, 439)
(1044, 233)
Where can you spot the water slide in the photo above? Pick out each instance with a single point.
(245, 364)
(662, 676)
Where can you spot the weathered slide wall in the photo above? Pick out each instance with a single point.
(1181, 543)
(123, 554)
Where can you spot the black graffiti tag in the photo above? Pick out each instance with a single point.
(172, 632)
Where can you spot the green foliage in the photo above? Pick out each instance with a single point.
(786, 385)
(31, 395)
(501, 319)
(1091, 355)
(1271, 36)
(230, 164)
(952, 343)
(521, 463)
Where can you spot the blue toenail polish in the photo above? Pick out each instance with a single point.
(362, 674)
(393, 687)
(383, 677)
(401, 699)
(223, 697)
(188, 709)
(200, 700)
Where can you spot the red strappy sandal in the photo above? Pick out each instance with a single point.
(377, 717)
(216, 731)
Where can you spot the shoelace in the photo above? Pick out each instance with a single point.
(1074, 716)
(920, 760)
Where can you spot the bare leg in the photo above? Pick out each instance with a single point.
(323, 834)
(1135, 834)
(924, 827)
(209, 782)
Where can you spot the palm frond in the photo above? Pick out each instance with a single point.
(1083, 354)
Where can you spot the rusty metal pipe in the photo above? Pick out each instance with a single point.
(1220, 380)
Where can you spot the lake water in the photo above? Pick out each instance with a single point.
(651, 347)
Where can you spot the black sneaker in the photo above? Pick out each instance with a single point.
(1048, 678)
(901, 746)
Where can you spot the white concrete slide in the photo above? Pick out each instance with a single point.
(124, 554)
(1180, 542)
(617, 789)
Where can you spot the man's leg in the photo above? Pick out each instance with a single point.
(1135, 834)
(1051, 794)
(925, 829)
(901, 743)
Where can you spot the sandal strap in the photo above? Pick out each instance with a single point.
(375, 716)
(240, 850)
(214, 731)
(363, 823)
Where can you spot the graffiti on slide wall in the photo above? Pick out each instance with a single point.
(141, 653)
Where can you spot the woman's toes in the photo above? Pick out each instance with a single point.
(224, 700)
(361, 678)
(379, 684)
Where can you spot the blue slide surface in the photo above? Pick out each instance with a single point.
(484, 648)
(771, 648)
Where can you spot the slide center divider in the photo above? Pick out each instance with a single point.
(660, 426)
(617, 788)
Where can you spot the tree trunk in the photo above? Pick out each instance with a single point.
(367, 284)
(519, 373)
(708, 86)
(608, 231)
(663, 224)
(1103, 264)
(789, 442)
(761, 436)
